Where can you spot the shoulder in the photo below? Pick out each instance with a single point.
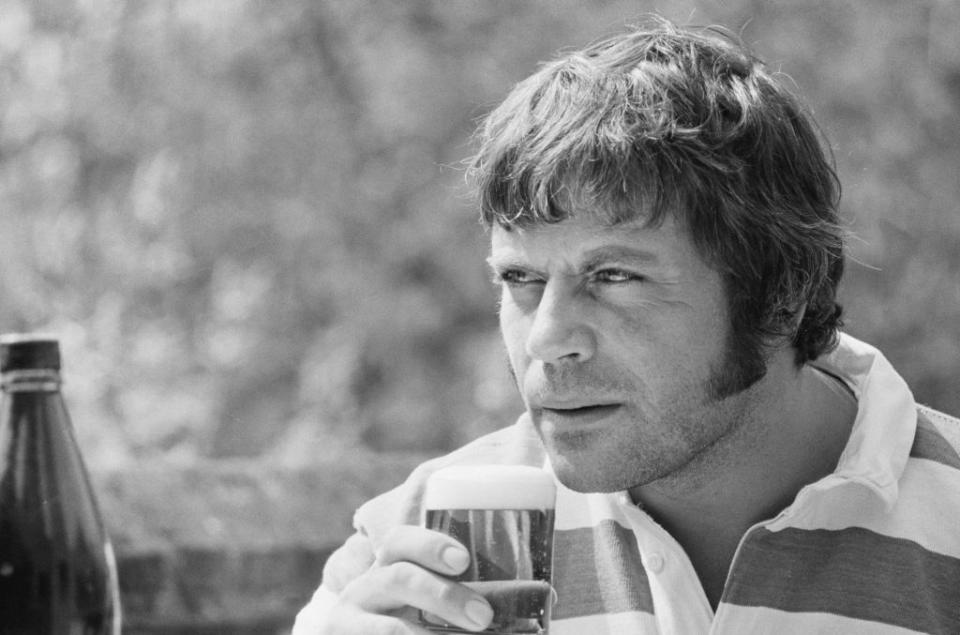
(937, 438)
(518, 444)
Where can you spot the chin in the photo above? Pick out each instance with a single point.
(589, 477)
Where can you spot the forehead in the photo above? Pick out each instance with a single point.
(574, 240)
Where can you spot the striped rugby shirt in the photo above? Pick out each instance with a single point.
(872, 548)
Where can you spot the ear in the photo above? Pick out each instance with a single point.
(798, 318)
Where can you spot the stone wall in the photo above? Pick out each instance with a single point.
(231, 547)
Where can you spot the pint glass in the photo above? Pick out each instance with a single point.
(503, 515)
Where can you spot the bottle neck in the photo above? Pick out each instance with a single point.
(31, 380)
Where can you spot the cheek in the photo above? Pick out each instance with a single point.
(636, 331)
(513, 329)
(666, 348)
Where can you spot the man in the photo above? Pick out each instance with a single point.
(664, 230)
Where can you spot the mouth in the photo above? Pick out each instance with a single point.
(578, 415)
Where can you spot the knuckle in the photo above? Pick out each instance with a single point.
(412, 581)
(405, 575)
(337, 621)
(391, 548)
(392, 535)
(446, 594)
(350, 596)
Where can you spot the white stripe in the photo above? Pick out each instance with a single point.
(925, 511)
(747, 620)
(580, 511)
(632, 622)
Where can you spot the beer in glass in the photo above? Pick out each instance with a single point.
(503, 515)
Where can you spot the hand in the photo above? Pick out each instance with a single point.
(408, 576)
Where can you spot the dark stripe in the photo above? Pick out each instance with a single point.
(928, 443)
(598, 570)
(852, 572)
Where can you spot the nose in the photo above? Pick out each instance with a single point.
(560, 330)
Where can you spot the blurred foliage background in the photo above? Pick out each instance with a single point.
(247, 220)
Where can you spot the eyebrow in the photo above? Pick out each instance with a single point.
(628, 255)
(591, 259)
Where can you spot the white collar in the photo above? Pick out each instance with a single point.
(883, 431)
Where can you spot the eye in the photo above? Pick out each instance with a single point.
(516, 278)
(616, 276)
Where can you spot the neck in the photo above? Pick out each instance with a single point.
(791, 429)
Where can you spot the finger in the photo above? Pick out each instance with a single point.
(425, 547)
(395, 587)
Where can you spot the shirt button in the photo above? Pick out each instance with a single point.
(654, 562)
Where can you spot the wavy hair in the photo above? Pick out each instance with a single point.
(685, 121)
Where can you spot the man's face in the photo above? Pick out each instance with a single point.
(616, 336)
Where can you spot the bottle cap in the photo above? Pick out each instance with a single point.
(27, 351)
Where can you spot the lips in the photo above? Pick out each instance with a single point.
(573, 403)
(577, 413)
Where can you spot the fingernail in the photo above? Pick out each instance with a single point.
(479, 612)
(455, 558)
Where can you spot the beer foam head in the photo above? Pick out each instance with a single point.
(490, 487)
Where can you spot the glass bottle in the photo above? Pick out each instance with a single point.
(57, 570)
